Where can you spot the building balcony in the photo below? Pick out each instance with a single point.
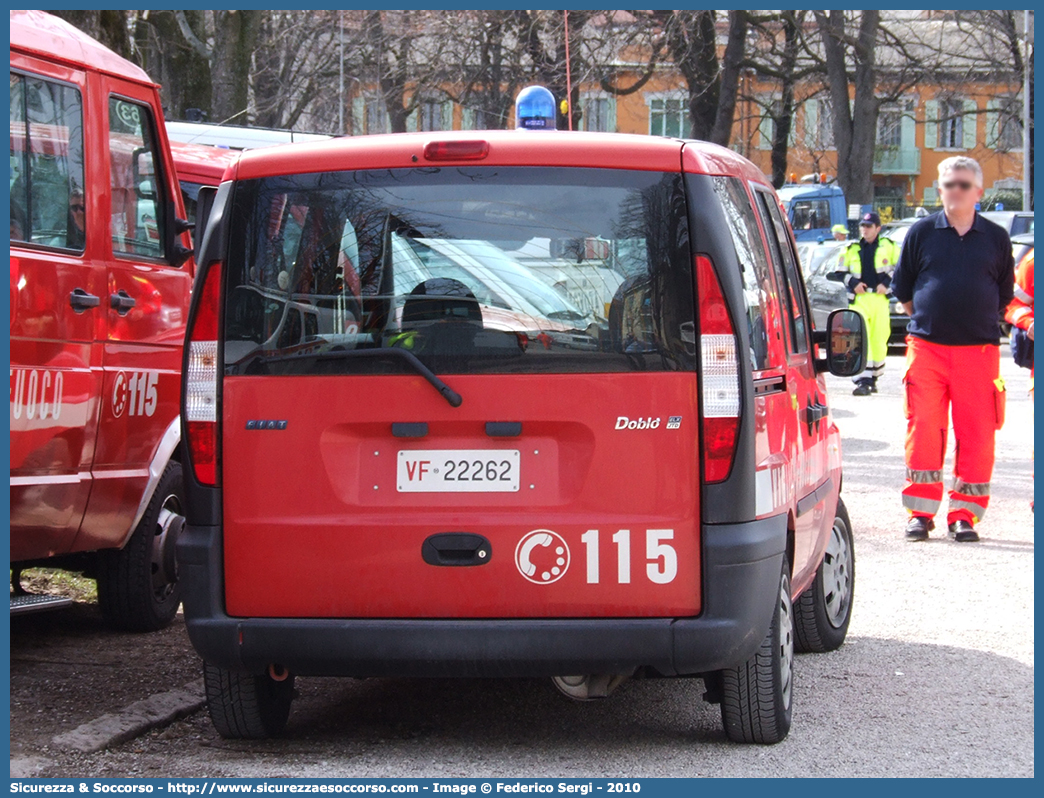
(897, 161)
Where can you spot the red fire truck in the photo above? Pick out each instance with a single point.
(100, 282)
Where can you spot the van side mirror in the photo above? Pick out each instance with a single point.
(204, 205)
(845, 339)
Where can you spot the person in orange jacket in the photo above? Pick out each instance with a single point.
(955, 277)
(1020, 311)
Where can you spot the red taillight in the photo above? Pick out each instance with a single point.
(456, 150)
(201, 380)
(719, 374)
(203, 448)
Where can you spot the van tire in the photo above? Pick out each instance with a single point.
(757, 697)
(138, 589)
(247, 706)
(822, 613)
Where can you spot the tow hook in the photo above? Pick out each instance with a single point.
(278, 673)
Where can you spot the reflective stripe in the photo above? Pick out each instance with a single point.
(916, 504)
(877, 368)
(1020, 312)
(923, 477)
(977, 510)
(972, 488)
(1022, 296)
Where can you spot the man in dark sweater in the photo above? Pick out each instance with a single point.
(955, 278)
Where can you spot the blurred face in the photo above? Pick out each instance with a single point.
(840, 236)
(869, 231)
(959, 191)
(78, 211)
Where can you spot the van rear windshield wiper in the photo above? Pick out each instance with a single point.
(411, 359)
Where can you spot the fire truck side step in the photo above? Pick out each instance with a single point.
(29, 602)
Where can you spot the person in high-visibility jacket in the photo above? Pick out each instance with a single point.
(1020, 311)
(955, 277)
(870, 262)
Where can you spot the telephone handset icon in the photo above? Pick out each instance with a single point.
(525, 565)
(552, 556)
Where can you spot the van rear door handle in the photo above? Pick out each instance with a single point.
(81, 300)
(121, 302)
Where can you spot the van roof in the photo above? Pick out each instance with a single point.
(506, 148)
(201, 160)
(40, 33)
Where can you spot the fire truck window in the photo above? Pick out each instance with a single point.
(138, 199)
(46, 179)
(757, 284)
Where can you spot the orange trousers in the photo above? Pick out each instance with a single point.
(964, 380)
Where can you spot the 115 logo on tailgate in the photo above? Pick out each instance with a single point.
(542, 556)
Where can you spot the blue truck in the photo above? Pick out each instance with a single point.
(813, 209)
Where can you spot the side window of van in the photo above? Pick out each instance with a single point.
(46, 179)
(138, 200)
(757, 285)
(785, 264)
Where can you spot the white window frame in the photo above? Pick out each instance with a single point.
(669, 96)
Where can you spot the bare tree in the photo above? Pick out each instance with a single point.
(486, 50)
(295, 59)
(183, 74)
(855, 126)
(110, 27)
(229, 52)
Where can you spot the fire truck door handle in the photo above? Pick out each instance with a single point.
(121, 302)
(81, 300)
(814, 413)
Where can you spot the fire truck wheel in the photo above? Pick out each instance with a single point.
(245, 706)
(822, 612)
(138, 588)
(757, 696)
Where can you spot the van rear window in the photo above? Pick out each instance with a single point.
(470, 269)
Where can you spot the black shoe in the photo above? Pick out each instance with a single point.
(862, 389)
(873, 386)
(963, 532)
(919, 527)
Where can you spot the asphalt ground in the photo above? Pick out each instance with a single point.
(935, 679)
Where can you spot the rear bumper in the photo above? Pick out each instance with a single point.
(741, 565)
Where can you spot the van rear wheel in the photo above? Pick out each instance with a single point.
(757, 696)
(823, 611)
(138, 588)
(247, 706)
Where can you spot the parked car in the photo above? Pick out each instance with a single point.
(818, 262)
(100, 285)
(581, 513)
(1021, 246)
(897, 229)
(1015, 222)
(236, 137)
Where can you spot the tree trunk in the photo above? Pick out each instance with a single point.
(855, 129)
(721, 133)
(235, 37)
(183, 74)
(785, 119)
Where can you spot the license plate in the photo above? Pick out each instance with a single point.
(458, 471)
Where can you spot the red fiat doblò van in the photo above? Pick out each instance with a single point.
(412, 454)
(100, 284)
